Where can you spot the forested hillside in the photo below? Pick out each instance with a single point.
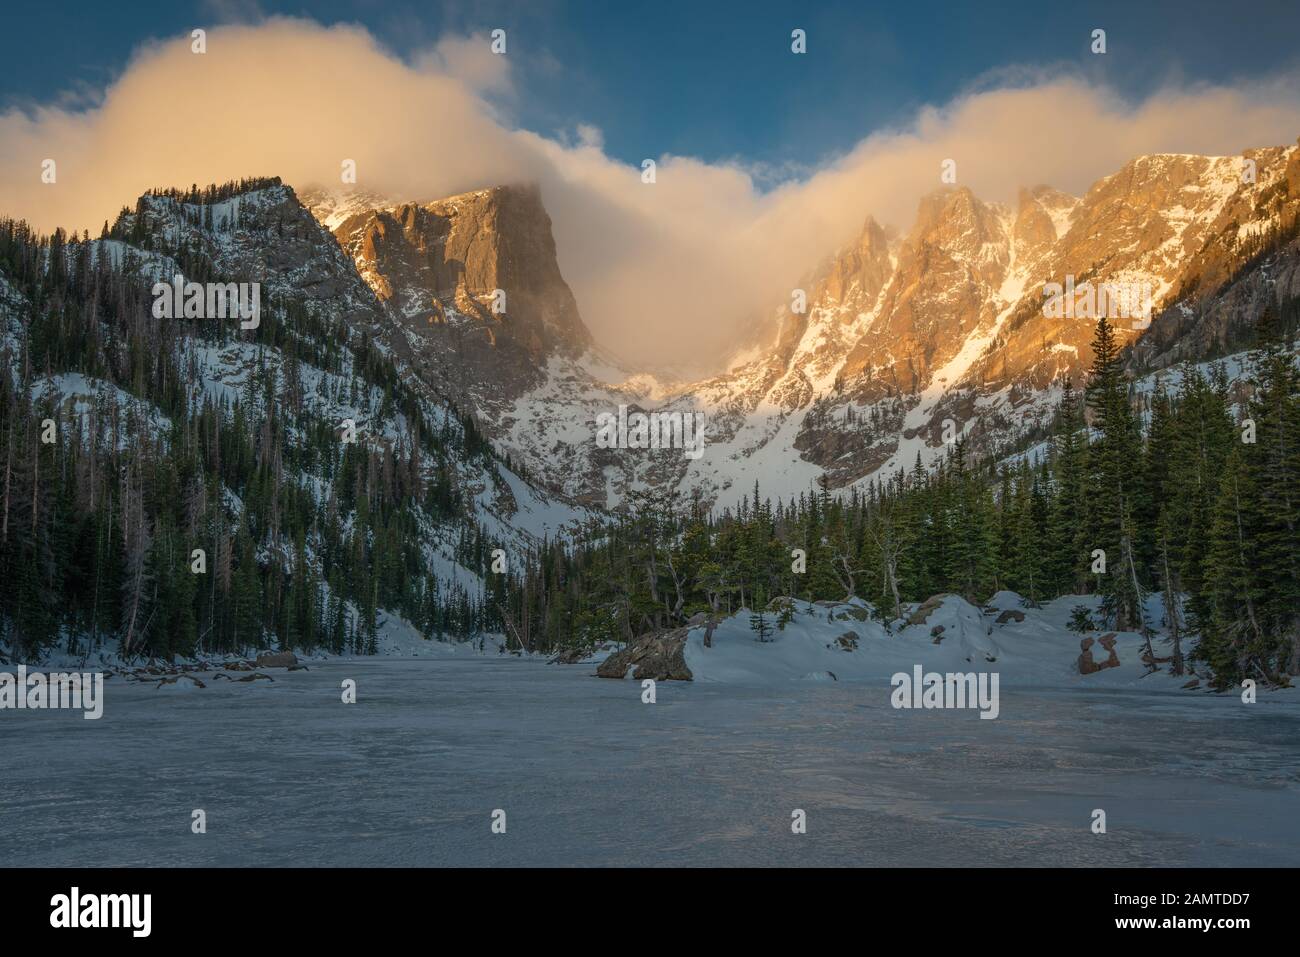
(319, 487)
(1189, 488)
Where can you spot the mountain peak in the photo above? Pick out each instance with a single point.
(473, 279)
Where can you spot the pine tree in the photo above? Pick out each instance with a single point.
(1234, 642)
(1274, 461)
(1112, 488)
(759, 622)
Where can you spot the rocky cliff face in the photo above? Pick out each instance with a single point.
(906, 340)
(472, 281)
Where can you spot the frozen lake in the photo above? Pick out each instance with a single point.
(587, 774)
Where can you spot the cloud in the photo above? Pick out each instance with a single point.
(668, 273)
(470, 60)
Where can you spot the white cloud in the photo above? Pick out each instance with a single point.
(470, 60)
(665, 272)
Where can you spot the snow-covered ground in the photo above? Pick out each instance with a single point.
(1032, 646)
(711, 773)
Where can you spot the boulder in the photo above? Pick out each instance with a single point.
(922, 614)
(569, 656)
(255, 676)
(1087, 664)
(276, 659)
(848, 641)
(657, 655)
(1010, 615)
(843, 611)
(952, 620)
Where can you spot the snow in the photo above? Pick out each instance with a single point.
(397, 637)
(12, 304)
(151, 266)
(769, 456)
(537, 515)
(1037, 652)
(79, 396)
(184, 684)
(437, 557)
(1062, 216)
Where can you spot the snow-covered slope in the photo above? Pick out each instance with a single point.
(324, 370)
(839, 642)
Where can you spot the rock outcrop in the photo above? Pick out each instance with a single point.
(657, 655)
(474, 282)
(276, 659)
(948, 620)
(1087, 664)
(922, 614)
(847, 641)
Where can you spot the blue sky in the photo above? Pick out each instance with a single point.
(711, 80)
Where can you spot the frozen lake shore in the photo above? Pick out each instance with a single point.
(587, 774)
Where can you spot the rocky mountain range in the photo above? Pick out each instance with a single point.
(445, 335)
(907, 340)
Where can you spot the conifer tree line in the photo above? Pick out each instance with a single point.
(305, 537)
(1190, 492)
(1199, 505)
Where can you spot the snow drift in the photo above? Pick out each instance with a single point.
(846, 641)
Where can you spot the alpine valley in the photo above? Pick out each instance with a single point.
(404, 447)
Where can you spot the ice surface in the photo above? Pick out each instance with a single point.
(410, 774)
